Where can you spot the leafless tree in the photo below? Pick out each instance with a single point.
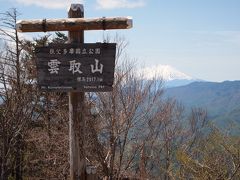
(17, 98)
(132, 121)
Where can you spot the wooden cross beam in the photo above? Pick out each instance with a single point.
(74, 24)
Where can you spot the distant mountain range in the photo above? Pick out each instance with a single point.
(170, 75)
(221, 100)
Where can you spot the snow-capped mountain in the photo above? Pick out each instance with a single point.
(165, 72)
(170, 75)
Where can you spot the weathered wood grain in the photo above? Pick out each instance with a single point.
(74, 24)
(65, 79)
(77, 122)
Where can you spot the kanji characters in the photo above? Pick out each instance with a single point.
(78, 50)
(91, 51)
(97, 51)
(71, 51)
(84, 51)
(97, 68)
(54, 66)
(65, 51)
(75, 67)
(51, 51)
(58, 51)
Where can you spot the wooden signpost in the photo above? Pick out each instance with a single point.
(76, 67)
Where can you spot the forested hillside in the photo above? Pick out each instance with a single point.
(222, 100)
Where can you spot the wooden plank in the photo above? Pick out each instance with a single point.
(76, 67)
(76, 112)
(74, 24)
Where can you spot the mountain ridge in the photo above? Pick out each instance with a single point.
(220, 99)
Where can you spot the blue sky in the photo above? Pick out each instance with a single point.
(198, 37)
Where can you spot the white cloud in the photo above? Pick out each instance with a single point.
(50, 4)
(114, 4)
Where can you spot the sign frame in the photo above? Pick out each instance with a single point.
(85, 67)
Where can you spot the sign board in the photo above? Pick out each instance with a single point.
(76, 67)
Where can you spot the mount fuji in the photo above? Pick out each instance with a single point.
(170, 75)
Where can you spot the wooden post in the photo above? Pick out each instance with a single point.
(76, 111)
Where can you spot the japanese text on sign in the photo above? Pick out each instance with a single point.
(83, 51)
(81, 67)
(74, 66)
